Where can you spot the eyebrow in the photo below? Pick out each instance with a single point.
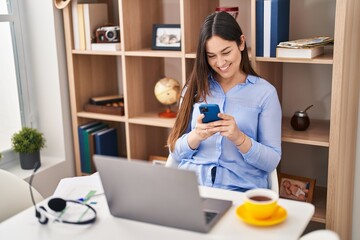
(226, 48)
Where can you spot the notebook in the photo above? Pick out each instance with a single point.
(141, 191)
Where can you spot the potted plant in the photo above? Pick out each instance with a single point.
(28, 142)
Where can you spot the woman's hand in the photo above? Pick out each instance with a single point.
(227, 128)
(201, 132)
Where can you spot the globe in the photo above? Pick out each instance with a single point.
(167, 92)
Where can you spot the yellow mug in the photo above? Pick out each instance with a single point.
(261, 203)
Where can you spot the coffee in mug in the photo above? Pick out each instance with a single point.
(261, 203)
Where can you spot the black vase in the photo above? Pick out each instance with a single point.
(28, 160)
(300, 121)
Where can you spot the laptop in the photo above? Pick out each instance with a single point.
(141, 191)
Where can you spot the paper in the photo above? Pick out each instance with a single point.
(83, 189)
(78, 187)
(306, 42)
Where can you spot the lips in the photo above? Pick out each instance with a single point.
(224, 68)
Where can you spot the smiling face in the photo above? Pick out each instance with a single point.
(224, 57)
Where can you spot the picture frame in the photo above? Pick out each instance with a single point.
(157, 160)
(166, 37)
(296, 187)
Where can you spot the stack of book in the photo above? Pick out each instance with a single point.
(113, 104)
(272, 25)
(96, 138)
(87, 17)
(306, 48)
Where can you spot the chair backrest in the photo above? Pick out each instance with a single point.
(273, 182)
(272, 179)
(16, 195)
(322, 234)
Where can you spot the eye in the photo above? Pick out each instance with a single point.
(226, 53)
(210, 56)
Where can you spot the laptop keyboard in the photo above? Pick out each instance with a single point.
(209, 216)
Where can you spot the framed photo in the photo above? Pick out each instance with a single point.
(296, 187)
(166, 37)
(157, 160)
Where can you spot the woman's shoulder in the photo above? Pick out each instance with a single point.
(259, 81)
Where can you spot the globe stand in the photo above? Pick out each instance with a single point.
(167, 113)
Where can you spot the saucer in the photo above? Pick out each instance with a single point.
(279, 216)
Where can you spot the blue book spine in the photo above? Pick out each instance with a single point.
(259, 28)
(81, 130)
(280, 18)
(86, 164)
(106, 142)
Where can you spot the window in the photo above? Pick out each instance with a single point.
(14, 107)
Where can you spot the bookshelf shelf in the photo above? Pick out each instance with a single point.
(89, 52)
(99, 116)
(152, 119)
(327, 58)
(317, 134)
(154, 53)
(190, 55)
(319, 200)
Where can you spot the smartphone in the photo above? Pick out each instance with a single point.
(210, 111)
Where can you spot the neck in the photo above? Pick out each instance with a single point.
(228, 83)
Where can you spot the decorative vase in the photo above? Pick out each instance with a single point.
(300, 121)
(233, 11)
(28, 160)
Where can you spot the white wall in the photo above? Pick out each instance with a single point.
(46, 69)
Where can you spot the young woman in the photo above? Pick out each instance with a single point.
(239, 151)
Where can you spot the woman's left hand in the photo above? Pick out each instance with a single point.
(227, 128)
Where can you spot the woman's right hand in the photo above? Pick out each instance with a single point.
(201, 132)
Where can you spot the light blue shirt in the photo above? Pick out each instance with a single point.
(257, 111)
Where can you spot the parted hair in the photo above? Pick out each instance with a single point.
(196, 87)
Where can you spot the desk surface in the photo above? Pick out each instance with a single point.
(25, 225)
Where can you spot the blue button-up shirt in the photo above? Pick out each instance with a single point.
(256, 108)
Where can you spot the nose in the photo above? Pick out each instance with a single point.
(220, 61)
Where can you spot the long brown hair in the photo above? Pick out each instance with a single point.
(196, 88)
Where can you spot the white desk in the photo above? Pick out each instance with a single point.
(25, 225)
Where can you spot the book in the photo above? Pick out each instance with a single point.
(267, 28)
(300, 53)
(81, 130)
(307, 42)
(106, 142)
(95, 15)
(75, 25)
(259, 28)
(92, 148)
(106, 99)
(276, 25)
(81, 27)
(87, 136)
(84, 145)
(105, 46)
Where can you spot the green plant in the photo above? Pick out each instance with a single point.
(28, 140)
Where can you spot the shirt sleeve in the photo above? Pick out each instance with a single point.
(265, 153)
(182, 149)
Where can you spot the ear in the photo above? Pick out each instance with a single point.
(242, 43)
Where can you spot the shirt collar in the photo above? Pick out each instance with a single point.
(249, 79)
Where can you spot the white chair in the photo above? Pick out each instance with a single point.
(15, 195)
(272, 179)
(323, 234)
